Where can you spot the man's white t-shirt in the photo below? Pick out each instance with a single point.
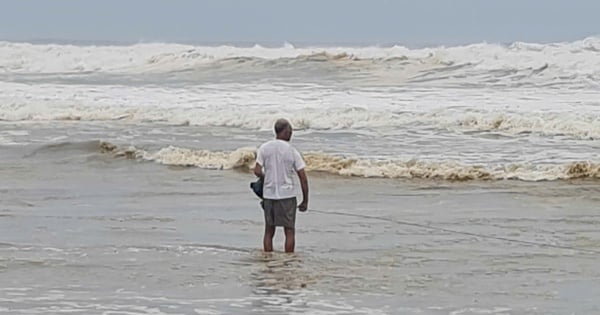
(280, 161)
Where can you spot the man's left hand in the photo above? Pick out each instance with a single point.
(303, 206)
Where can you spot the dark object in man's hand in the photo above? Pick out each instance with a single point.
(257, 187)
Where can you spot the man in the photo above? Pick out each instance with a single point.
(280, 160)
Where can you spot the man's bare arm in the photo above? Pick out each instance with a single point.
(304, 183)
(258, 170)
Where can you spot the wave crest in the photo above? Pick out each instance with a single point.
(394, 169)
(244, 159)
(240, 158)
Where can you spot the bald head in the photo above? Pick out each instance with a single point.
(283, 129)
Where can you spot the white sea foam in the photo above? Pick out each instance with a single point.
(519, 61)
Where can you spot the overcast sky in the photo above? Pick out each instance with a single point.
(418, 22)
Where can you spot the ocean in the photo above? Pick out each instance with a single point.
(444, 180)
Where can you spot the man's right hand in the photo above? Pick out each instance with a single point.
(303, 206)
(304, 183)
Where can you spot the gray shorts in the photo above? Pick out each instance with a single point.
(280, 212)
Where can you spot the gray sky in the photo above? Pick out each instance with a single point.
(417, 22)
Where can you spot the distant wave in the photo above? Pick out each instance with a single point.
(523, 63)
(68, 146)
(244, 159)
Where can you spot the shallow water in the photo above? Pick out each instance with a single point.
(117, 236)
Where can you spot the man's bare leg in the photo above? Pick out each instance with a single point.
(268, 239)
(290, 239)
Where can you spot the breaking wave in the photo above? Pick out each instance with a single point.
(244, 159)
(578, 125)
(490, 63)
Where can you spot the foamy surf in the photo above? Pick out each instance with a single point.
(255, 107)
(244, 159)
(483, 111)
(561, 59)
